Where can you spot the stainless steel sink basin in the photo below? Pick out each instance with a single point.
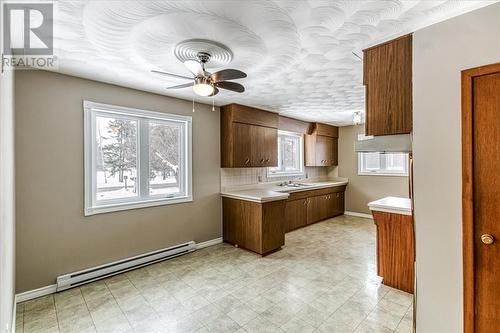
(294, 184)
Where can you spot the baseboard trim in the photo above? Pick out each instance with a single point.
(43, 291)
(35, 293)
(208, 243)
(363, 215)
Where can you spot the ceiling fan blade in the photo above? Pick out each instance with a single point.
(171, 74)
(194, 67)
(227, 74)
(185, 85)
(216, 91)
(233, 86)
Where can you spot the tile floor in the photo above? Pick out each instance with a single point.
(323, 280)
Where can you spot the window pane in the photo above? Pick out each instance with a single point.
(116, 160)
(372, 161)
(290, 153)
(164, 159)
(395, 162)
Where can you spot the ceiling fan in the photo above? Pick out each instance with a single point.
(205, 83)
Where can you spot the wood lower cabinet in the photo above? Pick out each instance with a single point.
(258, 227)
(395, 250)
(307, 207)
(295, 214)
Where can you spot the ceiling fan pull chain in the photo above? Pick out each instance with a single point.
(213, 99)
(192, 94)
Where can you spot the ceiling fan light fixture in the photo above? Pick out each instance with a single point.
(202, 87)
(357, 118)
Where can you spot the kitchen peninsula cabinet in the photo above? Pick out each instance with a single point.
(387, 76)
(258, 227)
(395, 242)
(249, 137)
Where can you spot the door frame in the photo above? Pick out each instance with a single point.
(468, 189)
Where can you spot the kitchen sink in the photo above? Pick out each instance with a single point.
(287, 184)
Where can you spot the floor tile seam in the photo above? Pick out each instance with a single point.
(119, 306)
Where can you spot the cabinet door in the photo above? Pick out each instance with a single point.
(242, 145)
(387, 75)
(335, 151)
(322, 144)
(270, 147)
(317, 209)
(264, 146)
(331, 204)
(340, 205)
(296, 214)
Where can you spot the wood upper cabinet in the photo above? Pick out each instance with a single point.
(264, 146)
(387, 76)
(321, 147)
(249, 137)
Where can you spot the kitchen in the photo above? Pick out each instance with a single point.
(258, 166)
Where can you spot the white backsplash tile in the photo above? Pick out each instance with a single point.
(248, 176)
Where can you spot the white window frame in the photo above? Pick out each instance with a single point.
(93, 109)
(282, 173)
(363, 172)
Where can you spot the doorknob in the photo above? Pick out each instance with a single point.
(487, 239)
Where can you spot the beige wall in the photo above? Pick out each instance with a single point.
(440, 52)
(53, 236)
(7, 224)
(363, 189)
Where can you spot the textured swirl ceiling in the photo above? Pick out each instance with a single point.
(298, 54)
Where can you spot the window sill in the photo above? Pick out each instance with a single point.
(277, 175)
(382, 174)
(135, 205)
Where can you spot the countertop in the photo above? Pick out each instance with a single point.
(394, 205)
(265, 192)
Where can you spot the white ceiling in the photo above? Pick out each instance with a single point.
(297, 54)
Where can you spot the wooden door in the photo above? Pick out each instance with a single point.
(481, 197)
(313, 209)
(322, 144)
(270, 147)
(317, 208)
(242, 150)
(331, 205)
(335, 151)
(296, 214)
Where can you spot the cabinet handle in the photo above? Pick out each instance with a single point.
(267, 160)
(261, 160)
(247, 160)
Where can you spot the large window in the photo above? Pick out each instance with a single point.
(290, 155)
(384, 164)
(135, 158)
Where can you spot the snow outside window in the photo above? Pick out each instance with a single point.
(383, 164)
(290, 155)
(135, 158)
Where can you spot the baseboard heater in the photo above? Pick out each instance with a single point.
(100, 272)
